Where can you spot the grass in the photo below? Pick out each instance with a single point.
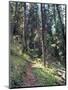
(17, 70)
(45, 76)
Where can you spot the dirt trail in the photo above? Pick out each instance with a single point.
(29, 79)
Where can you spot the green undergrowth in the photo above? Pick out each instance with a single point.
(18, 66)
(45, 77)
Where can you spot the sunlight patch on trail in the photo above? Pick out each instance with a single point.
(37, 64)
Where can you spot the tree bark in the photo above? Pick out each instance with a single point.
(24, 30)
(62, 25)
(43, 33)
(62, 29)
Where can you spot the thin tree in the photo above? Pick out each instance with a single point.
(44, 32)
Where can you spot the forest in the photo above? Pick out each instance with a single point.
(37, 44)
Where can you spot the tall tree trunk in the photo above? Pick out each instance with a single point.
(56, 50)
(16, 17)
(62, 25)
(27, 32)
(24, 31)
(43, 34)
(62, 29)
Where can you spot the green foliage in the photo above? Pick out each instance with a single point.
(16, 70)
(45, 77)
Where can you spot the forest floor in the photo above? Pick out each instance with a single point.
(38, 75)
(29, 79)
(26, 72)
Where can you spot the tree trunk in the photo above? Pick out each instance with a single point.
(62, 29)
(62, 25)
(43, 33)
(55, 48)
(24, 30)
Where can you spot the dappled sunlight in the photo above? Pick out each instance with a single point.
(50, 70)
(43, 77)
(37, 64)
(26, 56)
(58, 78)
(44, 74)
